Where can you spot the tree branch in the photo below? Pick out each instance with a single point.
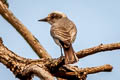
(73, 72)
(24, 68)
(5, 2)
(45, 69)
(104, 68)
(100, 48)
(27, 35)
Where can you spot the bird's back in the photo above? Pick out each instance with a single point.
(64, 30)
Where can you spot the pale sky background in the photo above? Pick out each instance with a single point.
(97, 21)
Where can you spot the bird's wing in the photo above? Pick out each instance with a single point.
(61, 33)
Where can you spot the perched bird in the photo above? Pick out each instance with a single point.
(64, 33)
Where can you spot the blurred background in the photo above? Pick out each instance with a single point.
(97, 21)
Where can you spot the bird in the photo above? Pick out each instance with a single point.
(63, 32)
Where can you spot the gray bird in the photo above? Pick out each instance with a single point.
(64, 33)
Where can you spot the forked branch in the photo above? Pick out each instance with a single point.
(44, 68)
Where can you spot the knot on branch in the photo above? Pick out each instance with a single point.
(72, 73)
(82, 75)
(55, 64)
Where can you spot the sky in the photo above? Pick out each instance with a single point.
(97, 21)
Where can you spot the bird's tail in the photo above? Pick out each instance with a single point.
(70, 56)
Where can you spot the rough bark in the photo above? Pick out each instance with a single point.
(45, 69)
(27, 35)
(24, 68)
(99, 48)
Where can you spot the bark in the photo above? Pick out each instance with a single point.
(46, 68)
(25, 69)
(5, 3)
(27, 35)
(99, 48)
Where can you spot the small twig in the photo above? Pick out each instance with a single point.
(100, 48)
(92, 70)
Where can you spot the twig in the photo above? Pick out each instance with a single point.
(100, 48)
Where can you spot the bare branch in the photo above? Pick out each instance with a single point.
(24, 68)
(100, 48)
(45, 69)
(73, 72)
(5, 2)
(37, 69)
(33, 42)
(104, 68)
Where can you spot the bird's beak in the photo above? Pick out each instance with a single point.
(44, 19)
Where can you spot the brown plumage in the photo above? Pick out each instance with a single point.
(64, 33)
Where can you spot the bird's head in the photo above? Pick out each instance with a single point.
(53, 17)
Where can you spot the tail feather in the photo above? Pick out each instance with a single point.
(70, 56)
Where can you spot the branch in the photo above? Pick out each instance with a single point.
(104, 68)
(46, 68)
(25, 69)
(38, 70)
(5, 3)
(27, 35)
(73, 72)
(100, 48)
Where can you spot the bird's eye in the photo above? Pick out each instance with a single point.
(52, 17)
(55, 16)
